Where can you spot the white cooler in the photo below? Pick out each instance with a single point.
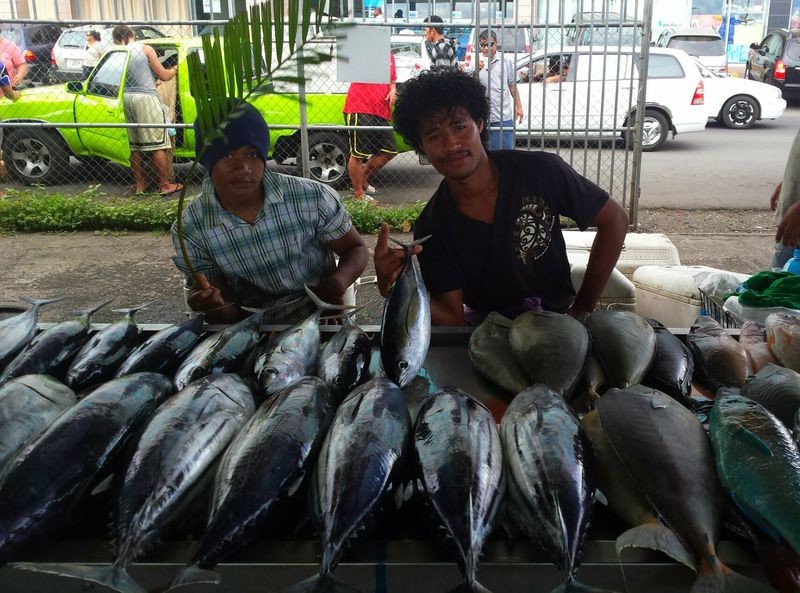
(619, 292)
(640, 249)
(671, 294)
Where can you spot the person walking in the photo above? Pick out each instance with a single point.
(369, 104)
(497, 75)
(142, 105)
(13, 60)
(438, 53)
(94, 51)
(785, 201)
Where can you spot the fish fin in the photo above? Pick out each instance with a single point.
(41, 302)
(756, 518)
(659, 537)
(728, 581)
(114, 577)
(660, 400)
(568, 560)
(296, 484)
(193, 575)
(129, 311)
(755, 441)
(320, 304)
(103, 485)
(92, 310)
(600, 497)
(325, 583)
(407, 246)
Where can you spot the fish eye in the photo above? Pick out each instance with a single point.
(271, 371)
(402, 365)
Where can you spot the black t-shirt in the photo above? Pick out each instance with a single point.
(522, 254)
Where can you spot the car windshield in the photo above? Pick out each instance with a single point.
(611, 34)
(406, 48)
(510, 39)
(698, 46)
(13, 35)
(73, 39)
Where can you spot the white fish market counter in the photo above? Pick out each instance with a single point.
(401, 556)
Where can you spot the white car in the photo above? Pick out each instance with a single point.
(704, 44)
(407, 50)
(597, 97)
(737, 102)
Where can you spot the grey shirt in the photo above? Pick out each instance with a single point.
(790, 191)
(140, 78)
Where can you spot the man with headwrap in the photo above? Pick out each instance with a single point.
(255, 237)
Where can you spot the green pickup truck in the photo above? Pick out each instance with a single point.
(38, 155)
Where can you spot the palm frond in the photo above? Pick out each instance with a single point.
(240, 63)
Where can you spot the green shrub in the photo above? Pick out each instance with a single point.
(39, 210)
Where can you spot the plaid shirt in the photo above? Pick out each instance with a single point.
(272, 258)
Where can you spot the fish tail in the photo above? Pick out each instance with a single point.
(114, 576)
(323, 583)
(88, 312)
(408, 246)
(659, 537)
(724, 580)
(129, 311)
(193, 575)
(41, 302)
(320, 304)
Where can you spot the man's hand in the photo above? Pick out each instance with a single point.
(788, 231)
(330, 290)
(205, 296)
(773, 199)
(389, 261)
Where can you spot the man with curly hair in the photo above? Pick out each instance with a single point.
(494, 221)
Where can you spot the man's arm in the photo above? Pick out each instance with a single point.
(773, 199)
(353, 258)
(788, 232)
(213, 299)
(612, 226)
(517, 103)
(159, 70)
(20, 73)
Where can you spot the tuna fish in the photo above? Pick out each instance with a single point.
(753, 336)
(461, 477)
(667, 453)
(551, 348)
(18, 331)
(783, 337)
(490, 353)
(778, 390)
(624, 343)
(50, 352)
(99, 358)
(406, 323)
(221, 352)
(343, 361)
(627, 501)
(357, 471)
(758, 464)
(185, 436)
(673, 366)
(263, 468)
(719, 360)
(28, 405)
(550, 485)
(164, 350)
(53, 472)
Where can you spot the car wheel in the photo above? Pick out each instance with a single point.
(654, 130)
(35, 156)
(328, 154)
(739, 113)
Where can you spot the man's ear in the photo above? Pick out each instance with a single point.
(480, 126)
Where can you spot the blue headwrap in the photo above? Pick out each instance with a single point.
(245, 127)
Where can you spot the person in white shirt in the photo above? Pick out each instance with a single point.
(94, 51)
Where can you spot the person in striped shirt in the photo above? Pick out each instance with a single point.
(256, 237)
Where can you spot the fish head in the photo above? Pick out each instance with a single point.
(404, 372)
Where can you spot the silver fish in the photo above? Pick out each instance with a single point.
(343, 361)
(490, 353)
(182, 440)
(17, 332)
(28, 405)
(461, 477)
(163, 351)
(551, 348)
(624, 343)
(406, 323)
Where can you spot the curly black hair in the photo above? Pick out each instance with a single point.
(432, 93)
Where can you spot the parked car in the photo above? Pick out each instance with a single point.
(739, 103)
(704, 44)
(511, 39)
(598, 96)
(776, 61)
(35, 41)
(604, 28)
(42, 155)
(70, 48)
(407, 50)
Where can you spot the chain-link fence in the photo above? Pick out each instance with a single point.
(69, 128)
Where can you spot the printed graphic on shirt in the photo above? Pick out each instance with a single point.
(533, 230)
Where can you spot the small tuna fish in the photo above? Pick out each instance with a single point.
(624, 343)
(343, 361)
(551, 349)
(106, 350)
(758, 464)
(550, 485)
(53, 472)
(18, 331)
(164, 351)
(461, 477)
(182, 440)
(49, 352)
(719, 359)
(262, 469)
(490, 353)
(673, 366)
(28, 405)
(406, 323)
(221, 352)
(357, 471)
